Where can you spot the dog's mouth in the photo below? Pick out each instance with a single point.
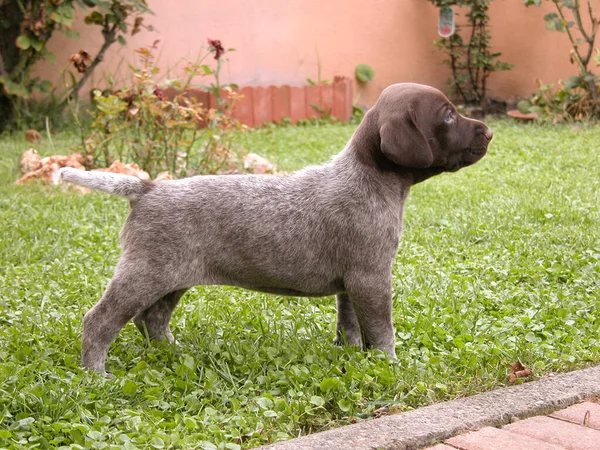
(476, 151)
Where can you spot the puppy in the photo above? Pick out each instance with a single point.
(328, 230)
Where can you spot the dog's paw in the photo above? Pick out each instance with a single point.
(350, 341)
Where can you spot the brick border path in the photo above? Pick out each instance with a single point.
(576, 427)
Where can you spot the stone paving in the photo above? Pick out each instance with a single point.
(576, 427)
(550, 409)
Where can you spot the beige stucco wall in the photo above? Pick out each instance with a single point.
(281, 42)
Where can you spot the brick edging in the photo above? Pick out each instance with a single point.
(425, 426)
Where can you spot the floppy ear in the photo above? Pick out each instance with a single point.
(403, 143)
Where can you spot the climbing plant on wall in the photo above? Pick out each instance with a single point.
(469, 51)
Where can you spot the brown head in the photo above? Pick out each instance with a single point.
(415, 129)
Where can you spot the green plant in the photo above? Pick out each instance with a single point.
(27, 26)
(364, 73)
(141, 124)
(469, 53)
(577, 97)
(564, 101)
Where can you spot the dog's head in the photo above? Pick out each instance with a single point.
(420, 129)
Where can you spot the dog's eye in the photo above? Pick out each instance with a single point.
(449, 118)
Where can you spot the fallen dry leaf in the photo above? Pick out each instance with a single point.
(518, 370)
(515, 113)
(33, 136)
(163, 176)
(128, 169)
(47, 170)
(30, 161)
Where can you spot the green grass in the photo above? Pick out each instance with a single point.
(499, 262)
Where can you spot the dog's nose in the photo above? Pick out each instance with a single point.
(488, 134)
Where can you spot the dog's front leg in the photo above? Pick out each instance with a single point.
(347, 328)
(371, 299)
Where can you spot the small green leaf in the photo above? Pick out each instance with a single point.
(264, 403)
(95, 435)
(530, 337)
(205, 445)
(157, 442)
(5, 434)
(190, 423)
(23, 42)
(15, 89)
(45, 86)
(189, 362)
(121, 40)
(129, 387)
(37, 45)
(568, 4)
(364, 73)
(328, 384)
(345, 405)
(317, 401)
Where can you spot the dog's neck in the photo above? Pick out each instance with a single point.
(364, 147)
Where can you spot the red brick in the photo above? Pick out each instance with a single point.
(577, 414)
(556, 431)
(199, 95)
(327, 98)
(490, 438)
(313, 101)
(262, 105)
(280, 96)
(244, 111)
(342, 98)
(297, 103)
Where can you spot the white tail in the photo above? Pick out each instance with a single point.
(114, 183)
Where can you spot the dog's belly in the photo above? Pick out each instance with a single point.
(316, 286)
(297, 293)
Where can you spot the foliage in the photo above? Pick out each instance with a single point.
(469, 52)
(499, 262)
(364, 73)
(142, 124)
(577, 97)
(566, 100)
(26, 28)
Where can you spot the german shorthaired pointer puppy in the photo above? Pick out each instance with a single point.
(327, 230)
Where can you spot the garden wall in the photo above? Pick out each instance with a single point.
(285, 42)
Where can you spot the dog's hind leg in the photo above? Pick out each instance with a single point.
(131, 291)
(347, 329)
(154, 321)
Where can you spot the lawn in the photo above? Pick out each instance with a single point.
(499, 263)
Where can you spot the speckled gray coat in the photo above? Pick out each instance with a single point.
(332, 229)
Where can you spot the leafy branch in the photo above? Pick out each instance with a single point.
(470, 57)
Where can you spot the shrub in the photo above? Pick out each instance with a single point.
(577, 97)
(160, 127)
